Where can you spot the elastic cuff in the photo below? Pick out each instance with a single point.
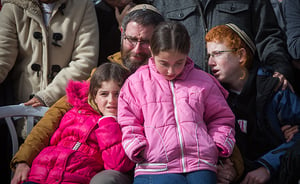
(40, 99)
(103, 117)
(269, 168)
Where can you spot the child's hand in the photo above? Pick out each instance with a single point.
(141, 154)
(22, 170)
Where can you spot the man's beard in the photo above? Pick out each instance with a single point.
(133, 65)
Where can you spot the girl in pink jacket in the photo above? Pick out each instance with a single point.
(88, 139)
(174, 118)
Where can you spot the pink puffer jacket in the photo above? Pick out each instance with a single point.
(175, 126)
(84, 144)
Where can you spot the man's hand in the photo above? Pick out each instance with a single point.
(289, 131)
(282, 82)
(258, 176)
(21, 173)
(34, 102)
(226, 172)
(120, 16)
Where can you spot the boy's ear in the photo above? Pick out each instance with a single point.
(121, 29)
(242, 54)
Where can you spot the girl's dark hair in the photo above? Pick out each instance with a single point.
(106, 72)
(170, 35)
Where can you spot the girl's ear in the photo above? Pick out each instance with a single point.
(151, 51)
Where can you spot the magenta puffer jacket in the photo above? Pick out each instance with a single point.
(176, 126)
(84, 144)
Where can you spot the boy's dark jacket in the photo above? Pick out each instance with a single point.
(262, 108)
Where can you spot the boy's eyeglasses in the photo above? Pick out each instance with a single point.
(133, 41)
(220, 52)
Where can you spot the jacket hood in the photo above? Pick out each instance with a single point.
(77, 92)
(30, 5)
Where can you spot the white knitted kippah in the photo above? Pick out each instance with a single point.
(144, 7)
(243, 35)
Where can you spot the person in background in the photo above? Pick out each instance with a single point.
(140, 23)
(291, 12)
(174, 118)
(266, 121)
(45, 43)
(255, 17)
(88, 139)
(278, 11)
(110, 14)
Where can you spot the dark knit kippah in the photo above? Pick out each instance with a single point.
(243, 35)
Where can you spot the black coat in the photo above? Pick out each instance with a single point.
(110, 35)
(250, 106)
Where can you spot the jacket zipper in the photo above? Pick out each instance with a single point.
(178, 127)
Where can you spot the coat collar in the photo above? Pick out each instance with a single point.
(187, 69)
(32, 6)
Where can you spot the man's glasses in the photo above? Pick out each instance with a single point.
(220, 52)
(133, 41)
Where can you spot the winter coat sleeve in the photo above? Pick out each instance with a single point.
(282, 110)
(291, 10)
(220, 120)
(109, 137)
(9, 42)
(268, 38)
(84, 57)
(41, 133)
(130, 118)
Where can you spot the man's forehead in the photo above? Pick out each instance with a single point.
(138, 30)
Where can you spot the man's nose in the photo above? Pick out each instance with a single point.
(138, 48)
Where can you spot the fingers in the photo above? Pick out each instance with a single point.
(285, 127)
(223, 178)
(226, 173)
(126, 9)
(290, 132)
(291, 87)
(120, 16)
(15, 180)
(287, 84)
(258, 176)
(283, 82)
(34, 102)
(223, 181)
(20, 174)
(24, 176)
(228, 161)
(117, 12)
